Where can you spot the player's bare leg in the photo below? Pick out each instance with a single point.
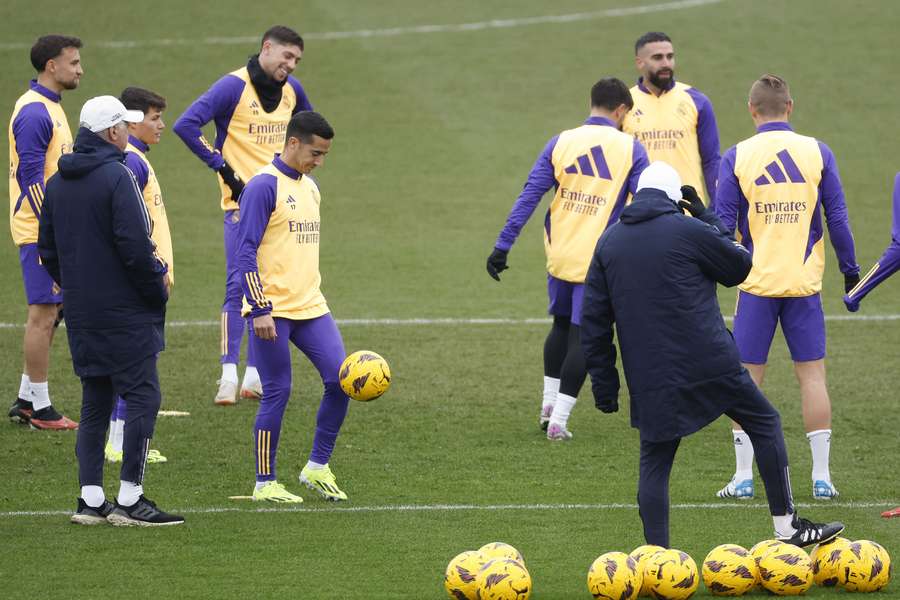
(38, 336)
(816, 406)
(741, 484)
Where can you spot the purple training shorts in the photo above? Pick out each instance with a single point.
(802, 321)
(565, 298)
(39, 286)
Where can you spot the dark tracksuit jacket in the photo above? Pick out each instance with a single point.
(94, 240)
(654, 274)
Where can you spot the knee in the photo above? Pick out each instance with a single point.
(42, 316)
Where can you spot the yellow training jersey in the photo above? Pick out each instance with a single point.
(38, 135)
(136, 160)
(247, 136)
(591, 164)
(679, 128)
(278, 251)
(771, 187)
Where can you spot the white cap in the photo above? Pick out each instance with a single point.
(102, 112)
(661, 176)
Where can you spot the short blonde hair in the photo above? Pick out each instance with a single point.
(770, 95)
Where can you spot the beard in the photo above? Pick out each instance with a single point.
(662, 78)
(69, 85)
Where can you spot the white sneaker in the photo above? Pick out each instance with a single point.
(742, 490)
(824, 490)
(251, 391)
(227, 394)
(558, 433)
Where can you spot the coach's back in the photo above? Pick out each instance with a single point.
(654, 275)
(95, 242)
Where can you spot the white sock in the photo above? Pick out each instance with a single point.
(820, 445)
(251, 377)
(129, 493)
(562, 409)
(39, 395)
(229, 372)
(551, 389)
(314, 465)
(261, 484)
(23, 387)
(743, 455)
(92, 495)
(784, 525)
(117, 434)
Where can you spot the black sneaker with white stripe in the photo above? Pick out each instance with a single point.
(88, 515)
(809, 533)
(142, 513)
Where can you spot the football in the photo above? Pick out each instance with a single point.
(640, 556)
(365, 375)
(501, 550)
(864, 566)
(671, 575)
(729, 570)
(825, 559)
(614, 576)
(786, 571)
(760, 549)
(459, 578)
(503, 579)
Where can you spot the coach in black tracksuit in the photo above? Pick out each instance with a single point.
(94, 240)
(654, 274)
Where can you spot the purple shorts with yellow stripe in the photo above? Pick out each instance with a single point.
(39, 286)
(565, 298)
(802, 321)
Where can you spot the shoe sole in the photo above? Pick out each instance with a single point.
(88, 520)
(320, 491)
(122, 521)
(224, 402)
(250, 395)
(42, 428)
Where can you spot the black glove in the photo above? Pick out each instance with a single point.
(603, 400)
(691, 202)
(496, 263)
(232, 180)
(850, 282)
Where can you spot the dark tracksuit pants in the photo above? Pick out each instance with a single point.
(138, 386)
(762, 423)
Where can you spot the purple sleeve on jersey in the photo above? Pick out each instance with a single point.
(887, 265)
(32, 130)
(639, 162)
(257, 204)
(216, 104)
(831, 195)
(303, 102)
(707, 141)
(541, 179)
(728, 192)
(139, 168)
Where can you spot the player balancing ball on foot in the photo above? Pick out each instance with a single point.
(365, 375)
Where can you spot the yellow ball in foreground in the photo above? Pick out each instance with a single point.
(614, 576)
(729, 570)
(640, 556)
(459, 578)
(786, 571)
(503, 579)
(671, 574)
(825, 559)
(501, 550)
(364, 375)
(864, 567)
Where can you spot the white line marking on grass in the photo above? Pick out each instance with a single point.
(395, 31)
(400, 508)
(465, 321)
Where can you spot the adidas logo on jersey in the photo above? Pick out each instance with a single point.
(774, 169)
(291, 202)
(585, 166)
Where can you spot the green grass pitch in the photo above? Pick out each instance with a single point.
(435, 134)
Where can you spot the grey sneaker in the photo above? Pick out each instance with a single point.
(142, 513)
(88, 515)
